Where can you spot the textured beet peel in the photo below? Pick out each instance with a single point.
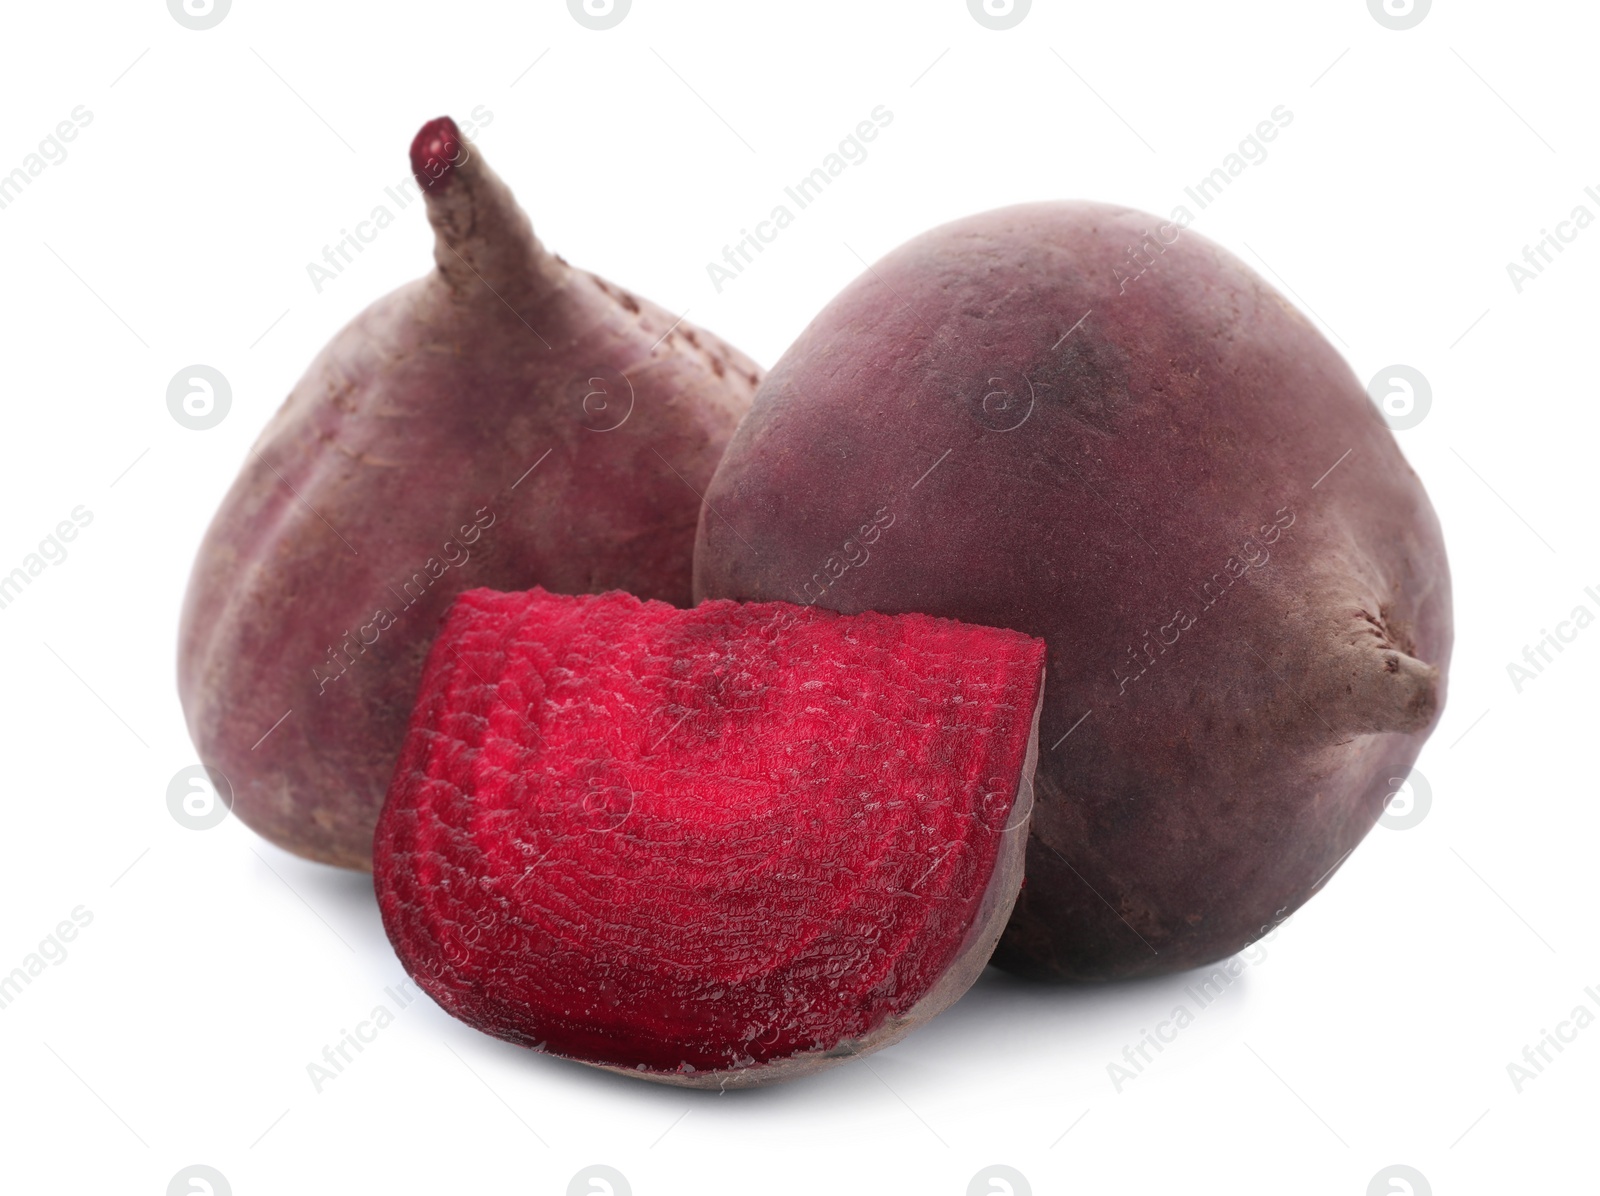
(716, 847)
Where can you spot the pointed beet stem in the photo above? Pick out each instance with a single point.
(481, 237)
(435, 150)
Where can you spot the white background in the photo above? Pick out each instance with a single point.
(1378, 1027)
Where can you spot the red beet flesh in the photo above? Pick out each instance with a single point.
(713, 847)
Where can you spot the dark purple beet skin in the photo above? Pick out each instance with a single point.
(991, 425)
(505, 421)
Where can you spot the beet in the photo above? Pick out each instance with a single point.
(1072, 420)
(505, 421)
(717, 847)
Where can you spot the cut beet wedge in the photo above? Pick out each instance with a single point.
(716, 847)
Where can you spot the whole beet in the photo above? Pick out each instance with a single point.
(1063, 419)
(505, 421)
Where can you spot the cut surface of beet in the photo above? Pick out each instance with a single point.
(717, 846)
